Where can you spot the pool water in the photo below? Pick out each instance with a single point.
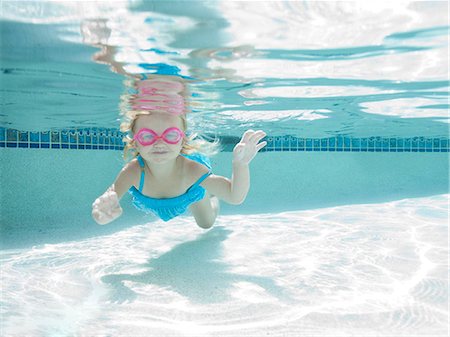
(344, 231)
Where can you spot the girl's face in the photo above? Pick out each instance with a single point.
(160, 151)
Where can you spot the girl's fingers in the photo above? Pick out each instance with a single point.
(99, 216)
(260, 146)
(113, 194)
(247, 135)
(112, 198)
(102, 208)
(106, 208)
(116, 212)
(257, 136)
(95, 203)
(95, 213)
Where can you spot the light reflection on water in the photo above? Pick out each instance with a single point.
(379, 69)
(366, 269)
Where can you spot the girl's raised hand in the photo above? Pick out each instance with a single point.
(247, 148)
(106, 208)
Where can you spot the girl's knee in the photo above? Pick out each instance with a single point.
(205, 224)
(206, 218)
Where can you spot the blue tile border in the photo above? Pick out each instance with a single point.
(111, 139)
(350, 144)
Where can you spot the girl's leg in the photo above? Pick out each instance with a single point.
(205, 211)
(215, 204)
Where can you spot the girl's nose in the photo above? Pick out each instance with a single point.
(159, 141)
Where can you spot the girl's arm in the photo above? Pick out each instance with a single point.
(234, 191)
(106, 207)
(125, 179)
(231, 191)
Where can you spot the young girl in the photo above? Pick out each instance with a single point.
(166, 178)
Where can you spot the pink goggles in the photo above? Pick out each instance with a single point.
(148, 137)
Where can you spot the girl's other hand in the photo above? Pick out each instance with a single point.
(106, 208)
(247, 148)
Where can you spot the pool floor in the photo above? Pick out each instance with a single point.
(364, 270)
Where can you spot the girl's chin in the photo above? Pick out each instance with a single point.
(161, 157)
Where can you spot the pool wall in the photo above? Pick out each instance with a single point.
(47, 193)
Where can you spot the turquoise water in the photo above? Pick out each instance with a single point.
(282, 69)
(345, 228)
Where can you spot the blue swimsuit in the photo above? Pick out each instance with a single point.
(168, 208)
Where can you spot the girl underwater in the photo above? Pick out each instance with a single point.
(169, 175)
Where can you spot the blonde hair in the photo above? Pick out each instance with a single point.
(194, 142)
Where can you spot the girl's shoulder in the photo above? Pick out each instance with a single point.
(193, 170)
(133, 170)
(133, 165)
